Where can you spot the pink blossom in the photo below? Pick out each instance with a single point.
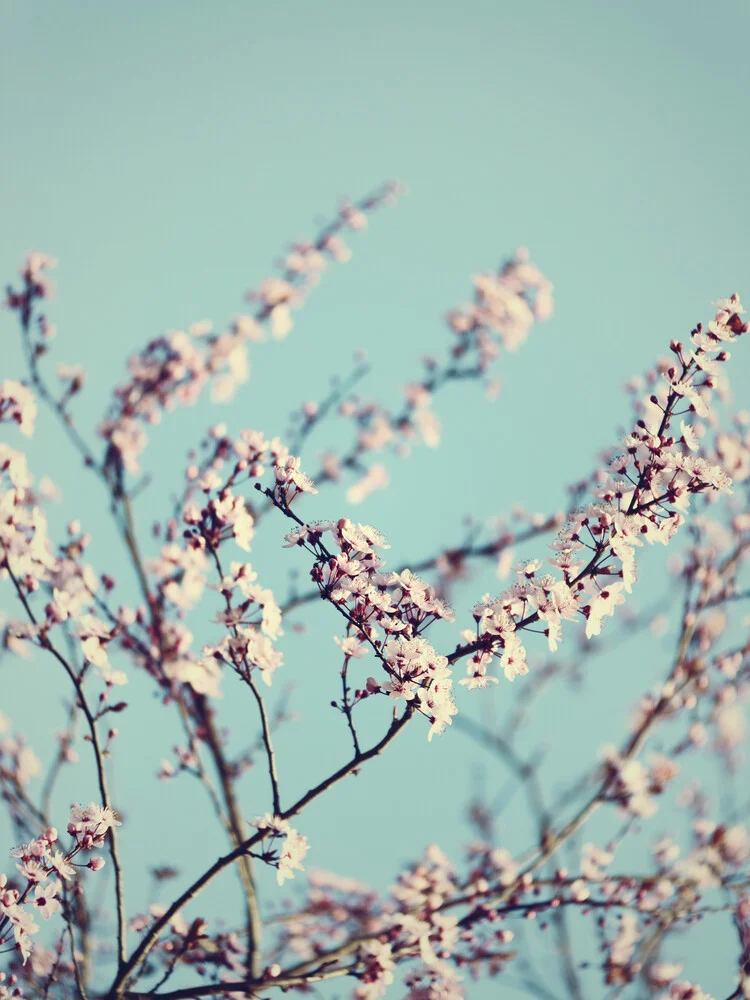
(45, 900)
(17, 403)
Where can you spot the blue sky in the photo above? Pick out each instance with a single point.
(167, 154)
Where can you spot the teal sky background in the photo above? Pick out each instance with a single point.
(168, 153)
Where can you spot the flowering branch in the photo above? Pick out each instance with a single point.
(441, 921)
(91, 719)
(119, 987)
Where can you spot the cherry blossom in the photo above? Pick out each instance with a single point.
(288, 857)
(199, 619)
(17, 403)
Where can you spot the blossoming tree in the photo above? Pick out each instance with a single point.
(445, 922)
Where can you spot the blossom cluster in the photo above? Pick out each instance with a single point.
(505, 307)
(290, 854)
(42, 865)
(18, 762)
(643, 497)
(386, 612)
(27, 553)
(36, 286)
(213, 513)
(17, 404)
(175, 368)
